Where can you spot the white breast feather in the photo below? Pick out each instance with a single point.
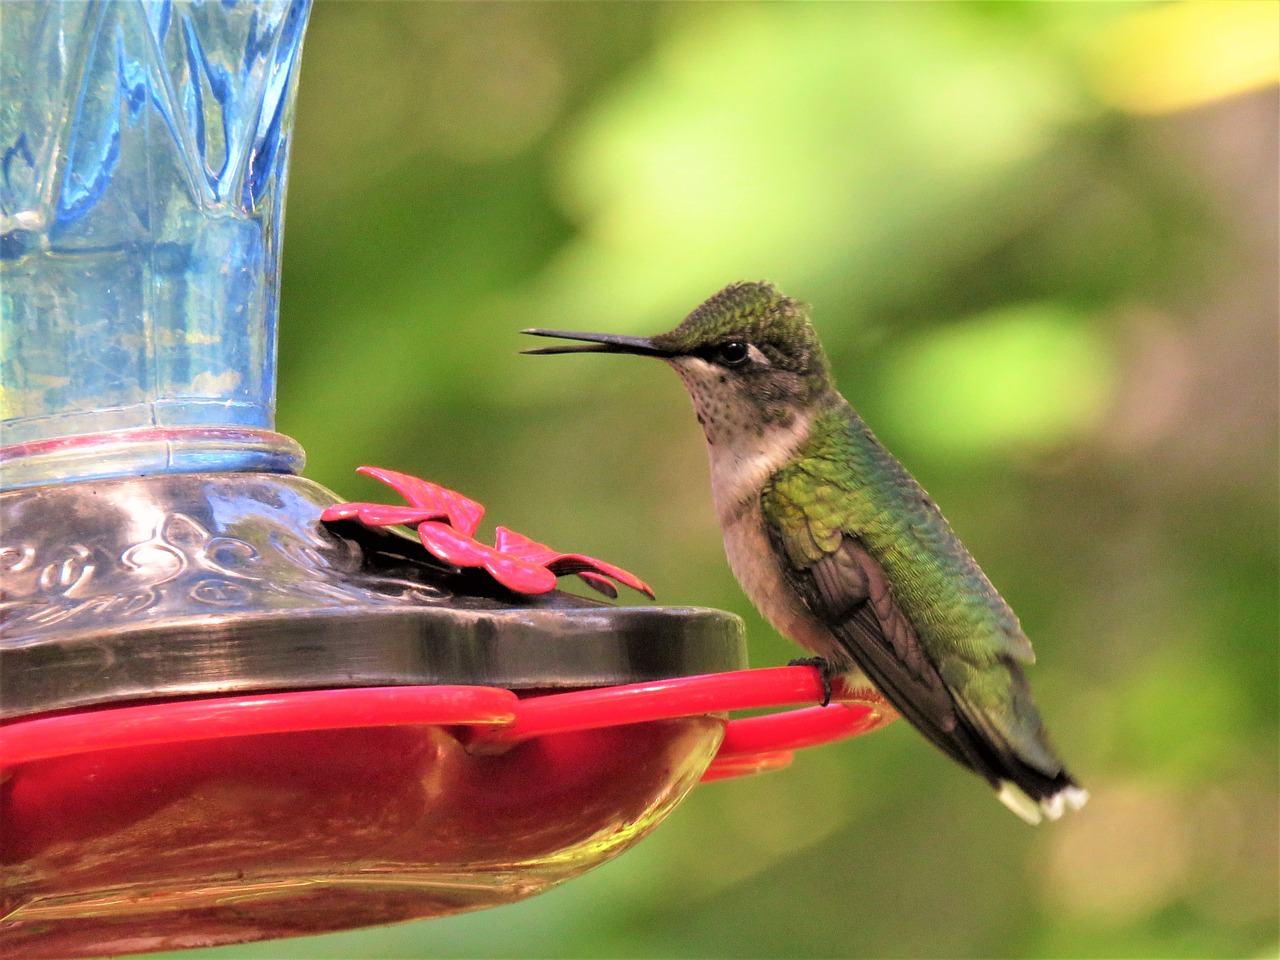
(736, 479)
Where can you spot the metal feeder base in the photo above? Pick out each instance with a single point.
(212, 583)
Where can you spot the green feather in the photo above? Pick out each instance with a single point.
(842, 482)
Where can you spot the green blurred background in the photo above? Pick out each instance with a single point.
(1040, 242)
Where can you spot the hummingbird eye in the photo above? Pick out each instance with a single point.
(733, 353)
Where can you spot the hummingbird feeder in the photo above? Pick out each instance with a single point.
(232, 707)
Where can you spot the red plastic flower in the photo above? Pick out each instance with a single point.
(446, 522)
(428, 501)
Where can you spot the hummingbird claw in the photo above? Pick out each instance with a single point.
(825, 671)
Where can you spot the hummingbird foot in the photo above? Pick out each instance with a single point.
(825, 671)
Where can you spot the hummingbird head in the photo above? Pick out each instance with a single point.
(748, 357)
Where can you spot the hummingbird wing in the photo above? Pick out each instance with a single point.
(969, 697)
(848, 590)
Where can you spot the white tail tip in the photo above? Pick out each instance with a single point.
(1012, 796)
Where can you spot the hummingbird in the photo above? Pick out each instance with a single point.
(842, 550)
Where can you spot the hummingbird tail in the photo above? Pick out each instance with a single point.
(1006, 744)
(1011, 751)
(1027, 778)
(1034, 811)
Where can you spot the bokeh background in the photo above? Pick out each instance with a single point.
(1040, 242)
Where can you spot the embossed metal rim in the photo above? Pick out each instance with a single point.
(187, 584)
(528, 649)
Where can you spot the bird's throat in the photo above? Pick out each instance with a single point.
(742, 462)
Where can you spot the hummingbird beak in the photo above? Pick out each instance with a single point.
(597, 343)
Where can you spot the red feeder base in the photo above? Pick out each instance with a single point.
(203, 822)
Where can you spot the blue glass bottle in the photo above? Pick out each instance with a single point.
(143, 159)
